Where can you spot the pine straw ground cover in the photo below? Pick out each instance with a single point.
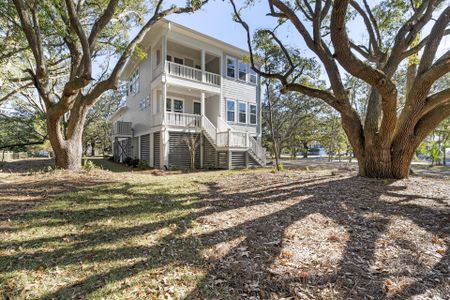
(251, 234)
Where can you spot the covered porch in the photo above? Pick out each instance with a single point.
(184, 107)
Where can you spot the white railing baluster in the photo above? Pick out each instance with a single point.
(192, 73)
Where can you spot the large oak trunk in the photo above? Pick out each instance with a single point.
(386, 163)
(68, 149)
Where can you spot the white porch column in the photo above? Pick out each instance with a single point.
(164, 51)
(202, 107)
(164, 95)
(164, 148)
(203, 58)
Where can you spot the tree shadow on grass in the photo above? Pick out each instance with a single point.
(257, 241)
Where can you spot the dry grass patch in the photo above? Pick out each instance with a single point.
(224, 234)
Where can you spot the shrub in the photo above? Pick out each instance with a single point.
(142, 164)
(88, 165)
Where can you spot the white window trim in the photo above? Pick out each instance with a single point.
(172, 107)
(246, 71)
(235, 66)
(239, 112)
(250, 114)
(226, 110)
(135, 83)
(250, 76)
(173, 60)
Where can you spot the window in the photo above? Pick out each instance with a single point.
(134, 82)
(252, 114)
(242, 71)
(242, 112)
(169, 58)
(144, 103)
(178, 60)
(252, 76)
(178, 106)
(231, 110)
(168, 104)
(174, 105)
(231, 67)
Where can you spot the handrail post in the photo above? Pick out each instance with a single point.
(229, 137)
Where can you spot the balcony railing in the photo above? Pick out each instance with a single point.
(190, 73)
(122, 128)
(181, 119)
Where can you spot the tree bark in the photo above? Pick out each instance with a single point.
(68, 149)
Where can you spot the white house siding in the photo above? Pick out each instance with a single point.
(139, 117)
(240, 91)
(212, 108)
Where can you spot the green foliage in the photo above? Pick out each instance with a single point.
(435, 153)
(21, 128)
(279, 169)
(142, 164)
(88, 165)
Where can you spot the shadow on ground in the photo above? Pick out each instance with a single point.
(244, 270)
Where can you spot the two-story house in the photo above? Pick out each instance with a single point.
(189, 84)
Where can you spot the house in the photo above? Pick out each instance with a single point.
(189, 86)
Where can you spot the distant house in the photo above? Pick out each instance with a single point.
(189, 84)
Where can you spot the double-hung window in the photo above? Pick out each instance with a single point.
(242, 112)
(252, 76)
(252, 114)
(242, 71)
(178, 106)
(231, 110)
(231, 67)
(134, 82)
(174, 105)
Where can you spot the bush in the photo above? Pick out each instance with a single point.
(88, 165)
(142, 164)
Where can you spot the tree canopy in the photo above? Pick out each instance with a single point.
(386, 133)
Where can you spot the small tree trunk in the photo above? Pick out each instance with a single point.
(93, 148)
(305, 150)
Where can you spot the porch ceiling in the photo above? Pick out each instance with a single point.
(188, 91)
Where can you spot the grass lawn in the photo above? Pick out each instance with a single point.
(248, 234)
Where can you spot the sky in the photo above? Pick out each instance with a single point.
(215, 19)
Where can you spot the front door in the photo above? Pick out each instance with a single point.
(197, 108)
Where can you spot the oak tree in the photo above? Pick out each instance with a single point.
(63, 43)
(384, 140)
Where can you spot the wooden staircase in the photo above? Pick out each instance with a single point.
(231, 139)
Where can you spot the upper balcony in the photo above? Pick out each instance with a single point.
(182, 71)
(187, 62)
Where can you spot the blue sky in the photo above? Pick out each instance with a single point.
(215, 19)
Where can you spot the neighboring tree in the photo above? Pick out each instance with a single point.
(62, 40)
(435, 153)
(384, 140)
(333, 137)
(98, 126)
(441, 137)
(192, 141)
(284, 117)
(24, 125)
